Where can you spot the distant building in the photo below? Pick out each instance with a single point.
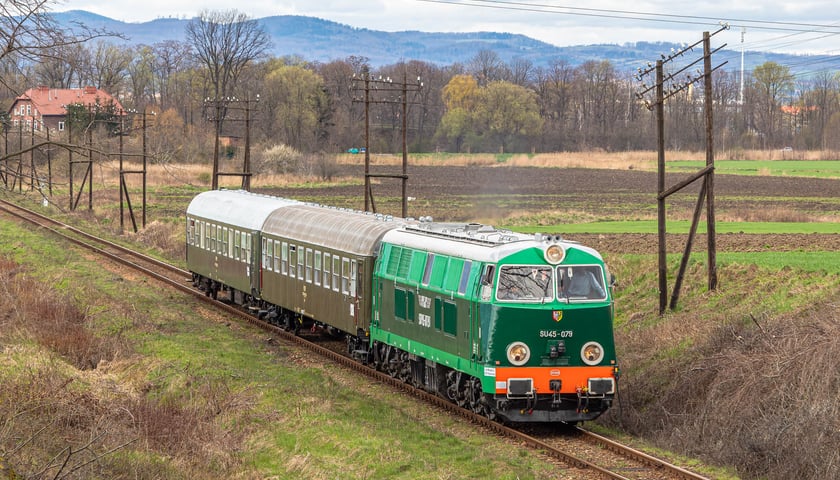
(46, 107)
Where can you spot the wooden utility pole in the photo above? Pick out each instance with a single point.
(387, 87)
(222, 108)
(661, 94)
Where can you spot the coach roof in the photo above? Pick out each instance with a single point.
(345, 230)
(236, 207)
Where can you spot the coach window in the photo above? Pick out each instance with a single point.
(284, 258)
(269, 255)
(237, 243)
(300, 258)
(308, 265)
(354, 272)
(248, 247)
(276, 256)
(327, 271)
(345, 276)
(317, 267)
(292, 259)
(336, 272)
(226, 242)
(190, 231)
(212, 238)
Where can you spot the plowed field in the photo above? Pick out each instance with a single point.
(500, 194)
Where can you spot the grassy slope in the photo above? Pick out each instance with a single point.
(201, 398)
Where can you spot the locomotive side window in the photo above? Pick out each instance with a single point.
(317, 267)
(284, 258)
(427, 273)
(465, 277)
(327, 271)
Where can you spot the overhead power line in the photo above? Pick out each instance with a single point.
(801, 27)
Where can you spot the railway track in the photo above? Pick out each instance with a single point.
(575, 447)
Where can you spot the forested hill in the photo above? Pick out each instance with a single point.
(320, 40)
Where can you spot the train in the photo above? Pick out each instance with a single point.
(516, 327)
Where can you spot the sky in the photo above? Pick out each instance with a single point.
(799, 26)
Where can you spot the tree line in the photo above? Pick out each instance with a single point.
(483, 105)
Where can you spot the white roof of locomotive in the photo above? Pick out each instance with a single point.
(236, 207)
(474, 241)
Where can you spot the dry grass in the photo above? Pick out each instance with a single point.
(736, 384)
(65, 412)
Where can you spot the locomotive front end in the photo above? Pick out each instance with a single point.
(548, 335)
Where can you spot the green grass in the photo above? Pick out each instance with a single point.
(775, 168)
(301, 417)
(682, 226)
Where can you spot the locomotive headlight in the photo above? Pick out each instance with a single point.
(592, 353)
(518, 353)
(554, 254)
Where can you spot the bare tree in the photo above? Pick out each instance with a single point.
(28, 34)
(225, 43)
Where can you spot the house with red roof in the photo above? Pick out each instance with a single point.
(46, 107)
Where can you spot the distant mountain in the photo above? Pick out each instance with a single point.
(320, 40)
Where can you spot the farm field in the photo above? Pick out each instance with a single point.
(689, 381)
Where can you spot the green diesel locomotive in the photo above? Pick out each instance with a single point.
(513, 326)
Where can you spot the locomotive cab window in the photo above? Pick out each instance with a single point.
(525, 283)
(581, 283)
